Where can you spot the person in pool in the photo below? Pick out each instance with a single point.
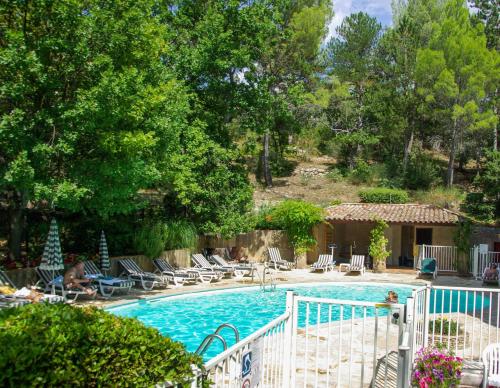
(392, 297)
(75, 278)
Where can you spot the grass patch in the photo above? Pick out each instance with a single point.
(440, 196)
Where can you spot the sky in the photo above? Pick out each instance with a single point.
(380, 9)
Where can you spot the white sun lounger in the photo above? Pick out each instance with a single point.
(55, 279)
(178, 277)
(277, 262)
(19, 297)
(107, 285)
(245, 269)
(324, 263)
(148, 280)
(357, 264)
(491, 361)
(200, 262)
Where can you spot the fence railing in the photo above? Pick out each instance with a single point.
(445, 255)
(258, 359)
(338, 343)
(464, 320)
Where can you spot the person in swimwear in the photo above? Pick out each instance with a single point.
(75, 278)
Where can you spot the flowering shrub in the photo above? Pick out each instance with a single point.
(435, 367)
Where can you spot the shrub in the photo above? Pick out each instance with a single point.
(421, 172)
(478, 207)
(180, 234)
(445, 326)
(361, 173)
(448, 198)
(150, 239)
(335, 175)
(61, 345)
(297, 218)
(383, 195)
(378, 245)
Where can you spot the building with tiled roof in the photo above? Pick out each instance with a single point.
(392, 213)
(349, 225)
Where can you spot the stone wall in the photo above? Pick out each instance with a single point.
(485, 235)
(254, 244)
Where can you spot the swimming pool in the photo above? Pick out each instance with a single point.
(189, 318)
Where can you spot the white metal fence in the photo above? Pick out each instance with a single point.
(321, 342)
(445, 255)
(338, 343)
(257, 360)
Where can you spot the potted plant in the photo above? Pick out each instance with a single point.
(436, 367)
(378, 246)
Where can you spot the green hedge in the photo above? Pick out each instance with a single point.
(383, 195)
(62, 345)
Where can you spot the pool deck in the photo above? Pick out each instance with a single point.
(402, 276)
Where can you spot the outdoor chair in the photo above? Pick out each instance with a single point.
(243, 269)
(276, 261)
(324, 263)
(427, 266)
(55, 280)
(357, 264)
(491, 361)
(147, 280)
(19, 297)
(201, 263)
(107, 284)
(178, 277)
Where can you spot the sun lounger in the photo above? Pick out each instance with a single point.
(240, 270)
(277, 262)
(488, 280)
(200, 262)
(107, 284)
(178, 277)
(147, 280)
(427, 266)
(55, 280)
(491, 361)
(357, 264)
(21, 295)
(324, 263)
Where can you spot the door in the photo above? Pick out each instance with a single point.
(424, 236)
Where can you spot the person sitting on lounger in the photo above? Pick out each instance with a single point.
(237, 255)
(491, 273)
(392, 297)
(75, 278)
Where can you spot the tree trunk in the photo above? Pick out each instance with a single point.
(495, 129)
(408, 148)
(16, 226)
(451, 160)
(266, 168)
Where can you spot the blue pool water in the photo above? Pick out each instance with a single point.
(190, 318)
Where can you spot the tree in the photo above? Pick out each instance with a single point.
(488, 12)
(87, 108)
(453, 73)
(350, 56)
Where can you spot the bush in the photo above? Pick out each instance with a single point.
(449, 198)
(378, 246)
(422, 172)
(150, 240)
(478, 207)
(297, 218)
(361, 173)
(61, 345)
(335, 175)
(383, 195)
(180, 234)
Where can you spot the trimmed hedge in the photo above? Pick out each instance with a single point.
(62, 345)
(383, 195)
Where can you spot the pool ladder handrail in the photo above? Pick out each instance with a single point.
(262, 279)
(210, 338)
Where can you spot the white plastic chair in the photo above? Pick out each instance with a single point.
(491, 361)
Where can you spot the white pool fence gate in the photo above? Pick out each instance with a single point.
(319, 342)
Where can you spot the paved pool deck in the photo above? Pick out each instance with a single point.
(402, 276)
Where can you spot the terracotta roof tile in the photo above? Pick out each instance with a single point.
(392, 213)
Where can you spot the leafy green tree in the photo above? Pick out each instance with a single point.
(87, 109)
(488, 12)
(453, 73)
(350, 56)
